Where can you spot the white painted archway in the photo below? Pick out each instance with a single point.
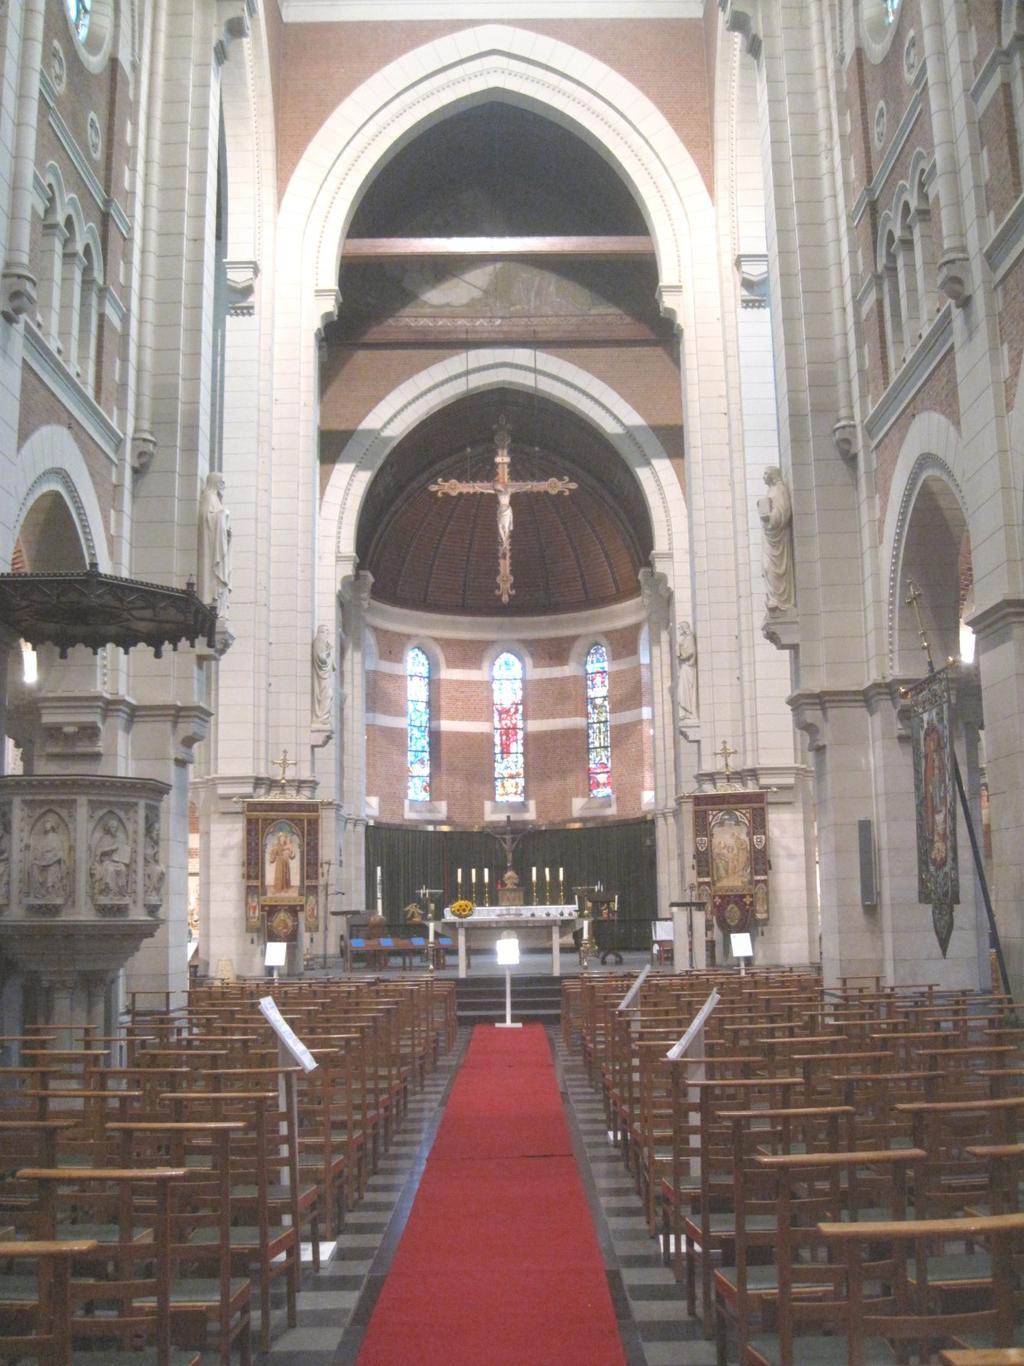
(474, 372)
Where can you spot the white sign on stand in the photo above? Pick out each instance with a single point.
(286, 1036)
(508, 958)
(634, 990)
(696, 1025)
(742, 947)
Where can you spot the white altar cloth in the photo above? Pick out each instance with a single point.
(511, 918)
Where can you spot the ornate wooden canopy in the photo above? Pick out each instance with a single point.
(94, 609)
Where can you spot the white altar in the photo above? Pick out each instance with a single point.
(514, 918)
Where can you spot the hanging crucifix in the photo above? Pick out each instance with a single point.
(503, 488)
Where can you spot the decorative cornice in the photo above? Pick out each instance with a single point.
(80, 405)
(752, 268)
(997, 617)
(743, 17)
(782, 629)
(922, 361)
(241, 279)
(406, 620)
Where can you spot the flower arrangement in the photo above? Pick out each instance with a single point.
(462, 909)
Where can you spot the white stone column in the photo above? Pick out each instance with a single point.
(838, 737)
(163, 738)
(999, 634)
(18, 284)
(354, 595)
(657, 596)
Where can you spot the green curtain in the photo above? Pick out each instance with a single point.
(620, 855)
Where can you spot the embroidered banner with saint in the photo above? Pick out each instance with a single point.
(282, 867)
(731, 856)
(938, 879)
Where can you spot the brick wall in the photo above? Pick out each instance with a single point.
(663, 58)
(555, 710)
(939, 394)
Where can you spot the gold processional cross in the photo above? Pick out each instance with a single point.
(503, 488)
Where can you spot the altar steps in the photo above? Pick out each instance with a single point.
(481, 1000)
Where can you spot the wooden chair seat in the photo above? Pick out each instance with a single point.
(983, 1356)
(144, 1356)
(817, 1350)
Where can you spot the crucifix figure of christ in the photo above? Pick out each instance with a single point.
(503, 488)
(508, 842)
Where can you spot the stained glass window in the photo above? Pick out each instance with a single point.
(507, 692)
(417, 715)
(599, 724)
(890, 8)
(78, 13)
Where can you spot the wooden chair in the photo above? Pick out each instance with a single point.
(41, 1329)
(128, 1293)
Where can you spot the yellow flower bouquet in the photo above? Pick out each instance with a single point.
(462, 909)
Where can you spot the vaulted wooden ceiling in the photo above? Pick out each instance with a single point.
(440, 553)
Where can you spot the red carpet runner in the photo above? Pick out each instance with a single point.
(499, 1264)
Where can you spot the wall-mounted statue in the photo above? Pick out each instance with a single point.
(49, 861)
(323, 680)
(110, 859)
(213, 577)
(775, 510)
(686, 673)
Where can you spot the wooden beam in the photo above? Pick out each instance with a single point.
(363, 249)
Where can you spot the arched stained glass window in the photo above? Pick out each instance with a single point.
(890, 9)
(507, 692)
(78, 13)
(417, 716)
(599, 724)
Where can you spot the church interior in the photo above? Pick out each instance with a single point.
(511, 682)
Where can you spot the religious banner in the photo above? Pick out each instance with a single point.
(731, 856)
(282, 867)
(938, 877)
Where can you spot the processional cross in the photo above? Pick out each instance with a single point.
(503, 488)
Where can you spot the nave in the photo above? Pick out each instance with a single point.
(818, 1177)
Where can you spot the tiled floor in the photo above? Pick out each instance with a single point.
(335, 1306)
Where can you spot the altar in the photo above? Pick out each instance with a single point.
(553, 919)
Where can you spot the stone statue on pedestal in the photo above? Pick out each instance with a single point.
(323, 680)
(686, 674)
(775, 510)
(213, 578)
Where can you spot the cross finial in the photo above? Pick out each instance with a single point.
(725, 754)
(284, 764)
(914, 601)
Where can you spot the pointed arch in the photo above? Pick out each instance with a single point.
(50, 461)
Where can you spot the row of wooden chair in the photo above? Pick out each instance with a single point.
(834, 1176)
(185, 1162)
